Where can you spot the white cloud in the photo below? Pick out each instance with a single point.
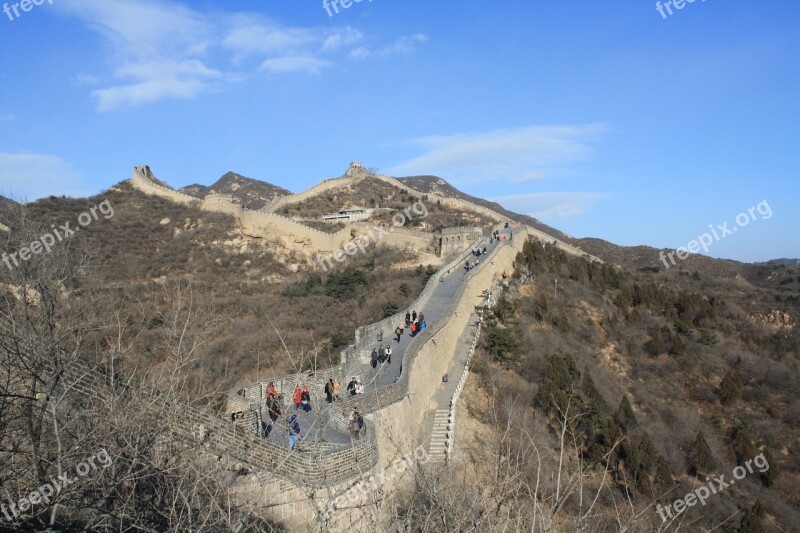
(551, 206)
(345, 37)
(510, 155)
(294, 64)
(403, 45)
(168, 50)
(248, 35)
(29, 176)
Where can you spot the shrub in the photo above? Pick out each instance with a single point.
(708, 338)
(501, 343)
(343, 285)
(389, 309)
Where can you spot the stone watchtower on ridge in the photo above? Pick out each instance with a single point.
(354, 168)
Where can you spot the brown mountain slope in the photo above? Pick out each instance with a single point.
(664, 385)
(7, 202)
(385, 200)
(743, 283)
(151, 253)
(432, 184)
(248, 191)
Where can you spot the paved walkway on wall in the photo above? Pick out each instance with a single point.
(315, 427)
(437, 305)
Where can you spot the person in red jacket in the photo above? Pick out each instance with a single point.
(297, 397)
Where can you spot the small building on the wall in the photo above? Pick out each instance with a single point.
(351, 214)
(454, 240)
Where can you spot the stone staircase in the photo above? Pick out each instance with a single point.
(437, 450)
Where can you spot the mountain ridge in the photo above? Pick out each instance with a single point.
(251, 192)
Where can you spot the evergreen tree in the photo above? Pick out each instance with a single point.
(625, 417)
(742, 444)
(590, 392)
(752, 521)
(730, 389)
(701, 460)
(771, 475)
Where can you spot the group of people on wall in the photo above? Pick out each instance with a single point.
(414, 322)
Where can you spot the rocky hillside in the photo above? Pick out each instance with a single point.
(636, 387)
(6, 202)
(248, 191)
(153, 257)
(385, 200)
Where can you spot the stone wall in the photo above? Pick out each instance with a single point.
(312, 191)
(397, 420)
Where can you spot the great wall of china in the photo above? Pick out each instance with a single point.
(298, 486)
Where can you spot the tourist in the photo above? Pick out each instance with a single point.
(352, 423)
(329, 391)
(266, 427)
(413, 316)
(398, 331)
(273, 407)
(297, 396)
(351, 387)
(389, 354)
(408, 319)
(305, 399)
(381, 354)
(337, 390)
(374, 358)
(359, 387)
(271, 389)
(421, 317)
(294, 431)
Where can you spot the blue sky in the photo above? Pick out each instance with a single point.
(603, 119)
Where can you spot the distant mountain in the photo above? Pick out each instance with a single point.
(248, 191)
(782, 261)
(432, 184)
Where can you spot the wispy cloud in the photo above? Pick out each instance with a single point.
(551, 206)
(403, 45)
(162, 49)
(311, 65)
(347, 36)
(29, 176)
(512, 155)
